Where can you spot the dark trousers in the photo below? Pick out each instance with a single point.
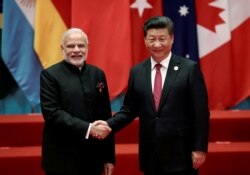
(186, 172)
(85, 173)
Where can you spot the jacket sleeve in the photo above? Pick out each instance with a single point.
(127, 112)
(51, 109)
(200, 107)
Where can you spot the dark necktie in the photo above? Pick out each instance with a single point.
(157, 86)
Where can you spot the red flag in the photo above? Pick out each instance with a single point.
(64, 9)
(140, 12)
(112, 26)
(223, 36)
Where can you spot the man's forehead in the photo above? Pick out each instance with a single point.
(161, 31)
(75, 39)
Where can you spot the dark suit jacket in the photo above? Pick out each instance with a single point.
(70, 99)
(181, 124)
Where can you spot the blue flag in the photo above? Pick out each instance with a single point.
(182, 12)
(17, 48)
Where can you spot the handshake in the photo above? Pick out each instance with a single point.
(100, 129)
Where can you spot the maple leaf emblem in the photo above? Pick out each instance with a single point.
(207, 15)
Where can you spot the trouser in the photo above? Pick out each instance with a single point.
(86, 173)
(186, 172)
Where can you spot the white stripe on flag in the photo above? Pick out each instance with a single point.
(234, 14)
(28, 9)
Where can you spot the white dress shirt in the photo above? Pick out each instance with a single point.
(163, 69)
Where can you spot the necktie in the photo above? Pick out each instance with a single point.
(157, 86)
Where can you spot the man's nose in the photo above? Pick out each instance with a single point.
(76, 48)
(157, 43)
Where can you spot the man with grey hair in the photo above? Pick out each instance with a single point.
(73, 95)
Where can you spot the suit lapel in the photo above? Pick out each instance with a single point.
(173, 70)
(148, 86)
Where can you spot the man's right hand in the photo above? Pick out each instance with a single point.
(100, 129)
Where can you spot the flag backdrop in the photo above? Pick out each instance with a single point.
(182, 12)
(219, 30)
(224, 42)
(17, 47)
(7, 83)
(31, 41)
(115, 35)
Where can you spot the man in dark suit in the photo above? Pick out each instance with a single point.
(168, 94)
(73, 95)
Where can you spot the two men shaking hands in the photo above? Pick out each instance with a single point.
(100, 129)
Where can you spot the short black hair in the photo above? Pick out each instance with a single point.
(158, 22)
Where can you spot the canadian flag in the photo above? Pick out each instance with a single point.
(224, 50)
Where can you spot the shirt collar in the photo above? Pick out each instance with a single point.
(164, 62)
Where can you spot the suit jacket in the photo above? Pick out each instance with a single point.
(181, 124)
(70, 100)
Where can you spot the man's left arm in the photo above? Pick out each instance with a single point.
(201, 116)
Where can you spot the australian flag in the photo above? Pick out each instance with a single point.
(182, 12)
